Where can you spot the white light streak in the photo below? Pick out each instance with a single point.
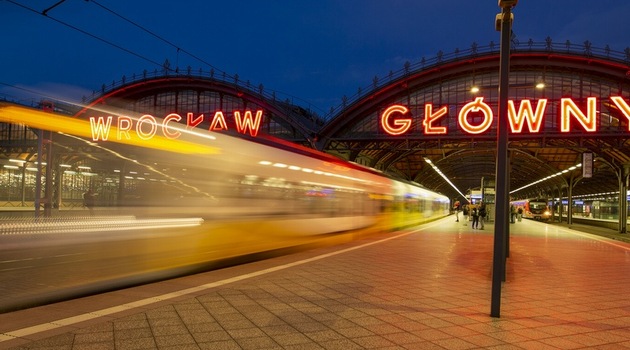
(548, 177)
(437, 170)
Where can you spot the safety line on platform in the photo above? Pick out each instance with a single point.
(594, 237)
(24, 332)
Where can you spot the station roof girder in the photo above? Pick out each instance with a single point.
(465, 158)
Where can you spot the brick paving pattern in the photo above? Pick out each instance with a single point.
(429, 289)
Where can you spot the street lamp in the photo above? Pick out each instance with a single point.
(503, 22)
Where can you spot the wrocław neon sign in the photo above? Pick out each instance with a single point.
(393, 124)
(147, 126)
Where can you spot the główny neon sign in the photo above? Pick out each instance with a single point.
(394, 122)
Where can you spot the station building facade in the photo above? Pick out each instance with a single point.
(439, 113)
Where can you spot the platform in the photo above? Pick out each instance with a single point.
(427, 287)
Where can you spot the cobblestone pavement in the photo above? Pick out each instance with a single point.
(424, 288)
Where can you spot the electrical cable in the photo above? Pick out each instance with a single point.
(45, 14)
(178, 47)
(87, 33)
(152, 34)
(52, 7)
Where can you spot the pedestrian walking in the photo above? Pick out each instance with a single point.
(482, 214)
(466, 212)
(457, 207)
(89, 198)
(474, 213)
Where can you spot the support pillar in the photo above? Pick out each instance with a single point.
(560, 211)
(507, 225)
(504, 23)
(623, 198)
(554, 205)
(38, 177)
(570, 202)
(48, 185)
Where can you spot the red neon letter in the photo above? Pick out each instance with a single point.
(476, 106)
(402, 124)
(124, 125)
(525, 114)
(569, 107)
(623, 107)
(100, 129)
(218, 122)
(152, 122)
(247, 123)
(192, 122)
(165, 128)
(429, 118)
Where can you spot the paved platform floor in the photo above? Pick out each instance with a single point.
(424, 288)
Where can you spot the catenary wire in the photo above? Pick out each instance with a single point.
(179, 49)
(153, 34)
(44, 13)
(87, 33)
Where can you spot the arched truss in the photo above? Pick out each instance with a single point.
(181, 94)
(355, 132)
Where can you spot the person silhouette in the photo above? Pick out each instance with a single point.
(89, 198)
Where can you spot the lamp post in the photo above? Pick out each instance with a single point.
(503, 22)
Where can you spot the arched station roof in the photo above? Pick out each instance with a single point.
(575, 71)
(353, 131)
(163, 92)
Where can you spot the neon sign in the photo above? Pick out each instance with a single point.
(394, 119)
(147, 126)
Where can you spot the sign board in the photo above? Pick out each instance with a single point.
(524, 117)
(587, 165)
(147, 126)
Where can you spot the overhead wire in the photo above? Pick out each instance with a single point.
(108, 42)
(52, 7)
(84, 32)
(177, 47)
(152, 33)
(36, 93)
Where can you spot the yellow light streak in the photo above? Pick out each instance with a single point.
(51, 121)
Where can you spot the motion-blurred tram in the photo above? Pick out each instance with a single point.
(165, 207)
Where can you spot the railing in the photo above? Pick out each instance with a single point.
(585, 49)
(227, 79)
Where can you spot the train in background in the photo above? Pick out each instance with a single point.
(533, 208)
(167, 207)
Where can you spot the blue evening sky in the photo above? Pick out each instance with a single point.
(314, 50)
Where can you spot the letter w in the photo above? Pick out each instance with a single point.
(247, 122)
(100, 129)
(525, 113)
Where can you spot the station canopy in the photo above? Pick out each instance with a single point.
(434, 122)
(586, 92)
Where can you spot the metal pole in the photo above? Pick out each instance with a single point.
(48, 190)
(570, 201)
(623, 200)
(38, 177)
(502, 186)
